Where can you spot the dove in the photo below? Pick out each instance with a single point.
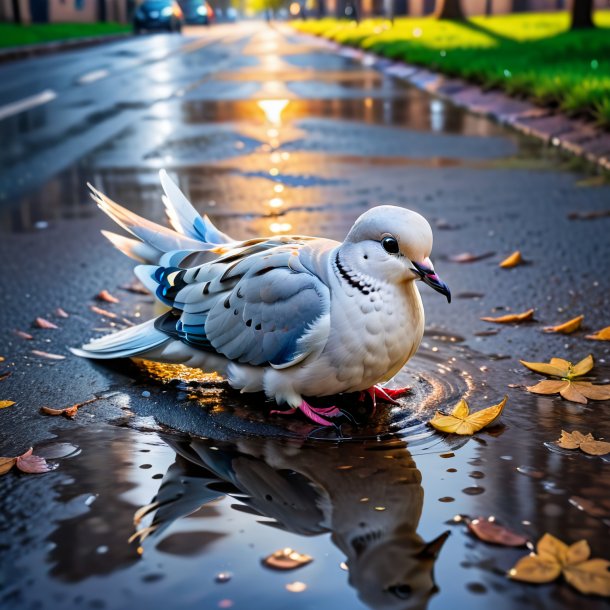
(292, 316)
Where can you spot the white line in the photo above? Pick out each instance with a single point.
(27, 103)
(91, 77)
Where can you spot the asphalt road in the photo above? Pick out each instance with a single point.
(271, 132)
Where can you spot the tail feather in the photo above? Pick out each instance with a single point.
(133, 248)
(125, 343)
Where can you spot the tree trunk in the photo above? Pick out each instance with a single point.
(16, 11)
(488, 7)
(582, 14)
(448, 9)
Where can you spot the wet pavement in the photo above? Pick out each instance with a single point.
(270, 132)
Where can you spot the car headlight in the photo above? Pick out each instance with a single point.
(167, 11)
(202, 10)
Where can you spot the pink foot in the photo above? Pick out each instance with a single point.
(313, 413)
(386, 394)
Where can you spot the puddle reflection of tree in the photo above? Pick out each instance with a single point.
(367, 496)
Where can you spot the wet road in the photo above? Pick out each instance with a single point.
(270, 132)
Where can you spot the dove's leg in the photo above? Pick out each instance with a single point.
(388, 395)
(313, 413)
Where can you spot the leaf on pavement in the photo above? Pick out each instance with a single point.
(61, 313)
(6, 403)
(558, 367)
(24, 335)
(32, 464)
(47, 355)
(513, 318)
(469, 257)
(574, 391)
(590, 577)
(600, 335)
(489, 531)
(42, 323)
(512, 261)
(6, 464)
(586, 443)
(461, 421)
(69, 412)
(103, 312)
(104, 295)
(567, 327)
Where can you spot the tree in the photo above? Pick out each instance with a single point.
(16, 11)
(582, 14)
(448, 9)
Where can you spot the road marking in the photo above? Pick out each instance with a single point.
(27, 103)
(91, 77)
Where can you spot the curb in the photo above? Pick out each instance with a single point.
(47, 48)
(576, 136)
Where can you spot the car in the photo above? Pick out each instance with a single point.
(158, 15)
(197, 12)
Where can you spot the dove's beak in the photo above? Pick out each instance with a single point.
(427, 275)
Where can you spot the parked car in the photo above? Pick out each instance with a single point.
(197, 12)
(158, 15)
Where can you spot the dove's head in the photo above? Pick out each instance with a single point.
(391, 244)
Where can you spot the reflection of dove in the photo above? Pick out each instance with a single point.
(293, 316)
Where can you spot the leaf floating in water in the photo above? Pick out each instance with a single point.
(558, 367)
(469, 257)
(61, 313)
(600, 335)
(42, 323)
(104, 295)
(553, 557)
(567, 327)
(461, 421)
(47, 355)
(24, 335)
(286, 559)
(512, 261)
(103, 312)
(514, 318)
(488, 530)
(33, 464)
(6, 403)
(584, 442)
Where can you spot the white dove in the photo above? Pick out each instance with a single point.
(289, 315)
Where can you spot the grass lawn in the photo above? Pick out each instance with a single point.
(12, 35)
(532, 55)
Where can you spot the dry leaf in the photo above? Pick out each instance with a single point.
(567, 327)
(6, 464)
(461, 421)
(2, 358)
(32, 464)
(42, 323)
(600, 335)
(104, 295)
(5, 375)
(24, 335)
(511, 318)
(558, 367)
(586, 443)
(553, 557)
(47, 355)
(6, 403)
(593, 215)
(512, 261)
(489, 531)
(286, 559)
(468, 257)
(574, 391)
(103, 312)
(69, 412)
(59, 312)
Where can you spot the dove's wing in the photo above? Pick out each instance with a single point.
(261, 305)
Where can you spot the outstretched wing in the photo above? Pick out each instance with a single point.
(260, 306)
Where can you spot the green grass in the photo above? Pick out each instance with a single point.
(530, 55)
(12, 35)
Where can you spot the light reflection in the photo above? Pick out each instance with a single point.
(280, 227)
(273, 110)
(276, 202)
(275, 157)
(278, 188)
(274, 171)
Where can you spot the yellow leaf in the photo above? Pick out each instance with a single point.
(568, 440)
(547, 386)
(549, 547)
(590, 577)
(558, 367)
(533, 568)
(513, 318)
(6, 403)
(592, 391)
(567, 327)
(6, 464)
(560, 363)
(547, 369)
(570, 392)
(583, 367)
(461, 421)
(586, 442)
(595, 447)
(600, 335)
(578, 552)
(512, 261)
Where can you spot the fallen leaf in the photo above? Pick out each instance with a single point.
(104, 295)
(135, 287)
(286, 559)
(461, 421)
(586, 443)
(103, 312)
(574, 391)
(61, 313)
(32, 464)
(567, 327)
(590, 577)
(2, 358)
(6, 464)
(535, 569)
(558, 367)
(42, 323)
(5, 375)
(513, 318)
(24, 335)
(6, 403)
(47, 355)
(469, 257)
(512, 261)
(69, 412)
(600, 335)
(590, 507)
(593, 215)
(489, 531)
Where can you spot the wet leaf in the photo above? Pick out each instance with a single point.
(558, 367)
(60, 313)
(32, 464)
(512, 261)
(513, 318)
(6, 464)
(574, 391)
(47, 355)
(6, 403)
(600, 335)
(461, 421)
(24, 335)
(535, 569)
(69, 412)
(578, 552)
(586, 443)
(103, 312)
(469, 257)
(42, 323)
(490, 531)
(567, 327)
(104, 295)
(286, 559)
(590, 577)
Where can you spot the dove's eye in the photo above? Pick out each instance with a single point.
(401, 591)
(390, 245)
